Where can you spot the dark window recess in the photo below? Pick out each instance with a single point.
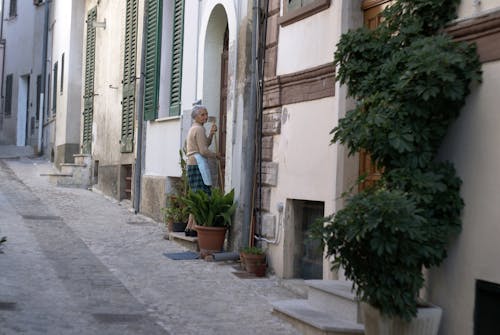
(32, 125)
(8, 95)
(486, 308)
(96, 172)
(13, 8)
(62, 73)
(126, 182)
(54, 90)
(38, 93)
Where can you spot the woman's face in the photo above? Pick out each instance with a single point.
(202, 116)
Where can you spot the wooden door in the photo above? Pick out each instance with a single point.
(372, 18)
(223, 110)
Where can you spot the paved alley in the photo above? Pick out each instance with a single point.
(76, 262)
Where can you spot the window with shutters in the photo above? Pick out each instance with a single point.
(8, 96)
(88, 95)
(129, 77)
(152, 55)
(296, 10)
(54, 89)
(176, 75)
(13, 8)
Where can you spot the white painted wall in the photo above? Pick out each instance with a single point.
(309, 42)
(472, 145)
(474, 7)
(22, 58)
(162, 148)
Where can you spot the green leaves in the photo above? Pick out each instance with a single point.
(213, 210)
(410, 81)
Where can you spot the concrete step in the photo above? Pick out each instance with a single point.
(335, 297)
(70, 167)
(312, 321)
(187, 241)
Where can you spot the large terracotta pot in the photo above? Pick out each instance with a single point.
(210, 239)
(426, 322)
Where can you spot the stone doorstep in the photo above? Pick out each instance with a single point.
(312, 321)
(187, 241)
(56, 174)
(334, 297)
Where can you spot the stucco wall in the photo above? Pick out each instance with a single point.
(472, 145)
(471, 7)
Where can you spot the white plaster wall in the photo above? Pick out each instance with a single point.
(307, 163)
(474, 7)
(162, 148)
(67, 31)
(309, 42)
(472, 145)
(22, 57)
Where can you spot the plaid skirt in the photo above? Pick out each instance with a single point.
(195, 180)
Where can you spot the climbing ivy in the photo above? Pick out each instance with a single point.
(410, 80)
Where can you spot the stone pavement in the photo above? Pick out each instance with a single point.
(79, 263)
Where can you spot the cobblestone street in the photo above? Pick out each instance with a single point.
(77, 262)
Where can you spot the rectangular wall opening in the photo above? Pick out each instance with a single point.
(126, 182)
(486, 308)
(303, 256)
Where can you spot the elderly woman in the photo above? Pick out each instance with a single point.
(197, 143)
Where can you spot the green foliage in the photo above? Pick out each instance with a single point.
(213, 210)
(176, 210)
(409, 80)
(253, 250)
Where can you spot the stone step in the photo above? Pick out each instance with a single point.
(335, 297)
(187, 241)
(312, 321)
(82, 159)
(70, 167)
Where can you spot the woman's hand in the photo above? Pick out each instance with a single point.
(213, 129)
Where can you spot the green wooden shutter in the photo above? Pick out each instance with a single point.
(129, 78)
(88, 95)
(152, 56)
(54, 89)
(8, 95)
(176, 76)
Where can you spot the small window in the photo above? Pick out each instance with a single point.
(62, 74)
(296, 10)
(8, 96)
(13, 8)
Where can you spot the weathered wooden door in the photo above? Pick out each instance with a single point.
(223, 109)
(372, 18)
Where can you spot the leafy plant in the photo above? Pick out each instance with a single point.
(213, 210)
(176, 210)
(409, 80)
(253, 250)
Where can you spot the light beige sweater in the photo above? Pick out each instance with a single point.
(198, 142)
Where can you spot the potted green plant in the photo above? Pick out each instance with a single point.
(213, 216)
(253, 260)
(409, 81)
(175, 214)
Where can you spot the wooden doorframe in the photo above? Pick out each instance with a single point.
(223, 108)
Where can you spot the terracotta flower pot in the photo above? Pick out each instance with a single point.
(210, 239)
(254, 263)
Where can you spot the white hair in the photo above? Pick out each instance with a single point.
(196, 110)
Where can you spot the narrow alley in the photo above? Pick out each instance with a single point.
(76, 262)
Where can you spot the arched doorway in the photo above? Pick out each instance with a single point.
(215, 83)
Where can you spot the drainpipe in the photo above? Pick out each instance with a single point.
(140, 118)
(249, 161)
(41, 111)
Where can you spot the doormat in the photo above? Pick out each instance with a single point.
(182, 256)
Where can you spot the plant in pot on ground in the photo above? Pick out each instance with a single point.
(213, 215)
(409, 80)
(253, 260)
